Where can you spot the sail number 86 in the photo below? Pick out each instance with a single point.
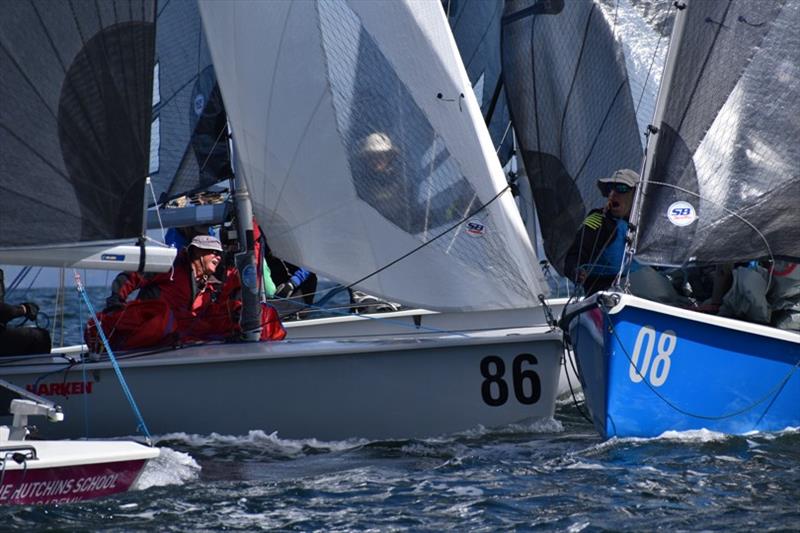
(525, 381)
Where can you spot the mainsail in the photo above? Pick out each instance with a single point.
(361, 142)
(190, 136)
(476, 28)
(581, 76)
(724, 182)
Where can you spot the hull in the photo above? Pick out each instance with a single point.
(420, 321)
(329, 389)
(648, 368)
(65, 472)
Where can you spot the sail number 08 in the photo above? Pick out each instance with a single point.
(525, 381)
(659, 371)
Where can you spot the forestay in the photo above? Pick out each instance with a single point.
(724, 184)
(476, 28)
(358, 134)
(581, 76)
(190, 141)
(75, 98)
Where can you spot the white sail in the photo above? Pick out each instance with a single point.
(319, 96)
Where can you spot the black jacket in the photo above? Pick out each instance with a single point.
(596, 232)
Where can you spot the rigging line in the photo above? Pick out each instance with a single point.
(650, 68)
(565, 343)
(162, 7)
(18, 278)
(730, 212)
(216, 142)
(82, 290)
(158, 210)
(489, 23)
(624, 83)
(25, 294)
(503, 139)
(83, 373)
(164, 102)
(498, 88)
(772, 392)
(426, 243)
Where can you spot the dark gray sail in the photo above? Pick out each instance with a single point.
(573, 106)
(729, 143)
(476, 26)
(75, 101)
(189, 121)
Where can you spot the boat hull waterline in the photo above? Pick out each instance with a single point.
(647, 368)
(326, 389)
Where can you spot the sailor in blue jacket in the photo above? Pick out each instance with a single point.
(596, 254)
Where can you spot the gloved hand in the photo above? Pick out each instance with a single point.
(31, 310)
(284, 290)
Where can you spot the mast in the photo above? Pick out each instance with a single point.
(653, 131)
(250, 319)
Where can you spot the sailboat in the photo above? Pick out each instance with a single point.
(720, 184)
(38, 472)
(308, 87)
(581, 79)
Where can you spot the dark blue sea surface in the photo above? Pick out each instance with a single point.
(557, 475)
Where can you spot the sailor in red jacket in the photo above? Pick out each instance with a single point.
(190, 291)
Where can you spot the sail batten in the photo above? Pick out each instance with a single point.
(360, 141)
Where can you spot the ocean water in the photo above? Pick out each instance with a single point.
(558, 475)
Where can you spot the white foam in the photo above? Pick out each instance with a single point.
(694, 435)
(260, 439)
(169, 468)
(580, 465)
(466, 491)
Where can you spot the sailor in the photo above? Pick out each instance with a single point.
(22, 340)
(762, 292)
(187, 304)
(393, 186)
(190, 291)
(596, 254)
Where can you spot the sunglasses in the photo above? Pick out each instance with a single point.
(619, 188)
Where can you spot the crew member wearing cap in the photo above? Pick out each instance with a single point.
(391, 184)
(190, 291)
(596, 254)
